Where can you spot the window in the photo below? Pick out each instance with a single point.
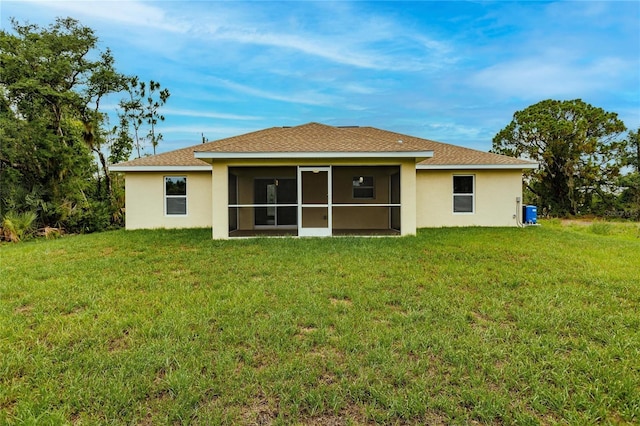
(175, 192)
(463, 194)
(363, 187)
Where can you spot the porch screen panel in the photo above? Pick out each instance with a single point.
(366, 199)
(265, 193)
(287, 215)
(315, 217)
(314, 188)
(233, 189)
(314, 214)
(274, 192)
(395, 199)
(233, 200)
(287, 191)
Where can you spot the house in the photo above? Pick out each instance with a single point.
(320, 180)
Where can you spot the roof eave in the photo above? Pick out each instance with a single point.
(206, 168)
(476, 166)
(419, 155)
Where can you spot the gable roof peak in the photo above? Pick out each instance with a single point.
(313, 137)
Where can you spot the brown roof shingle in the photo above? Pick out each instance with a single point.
(179, 157)
(315, 137)
(447, 154)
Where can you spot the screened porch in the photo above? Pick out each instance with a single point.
(314, 201)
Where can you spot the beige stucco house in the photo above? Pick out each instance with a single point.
(319, 180)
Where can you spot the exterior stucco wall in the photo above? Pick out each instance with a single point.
(145, 201)
(408, 185)
(426, 196)
(494, 203)
(219, 210)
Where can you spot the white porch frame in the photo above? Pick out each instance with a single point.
(406, 202)
(315, 232)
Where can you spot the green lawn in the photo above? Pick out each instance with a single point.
(498, 326)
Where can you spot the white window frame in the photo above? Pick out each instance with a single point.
(166, 196)
(472, 194)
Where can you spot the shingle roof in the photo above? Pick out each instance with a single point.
(179, 157)
(446, 154)
(314, 137)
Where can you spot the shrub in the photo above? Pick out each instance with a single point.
(18, 226)
(90, 216)
(50, 233)
(600, 228)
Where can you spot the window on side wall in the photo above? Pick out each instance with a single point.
(463, 194)
(175, 194)
(363, 187)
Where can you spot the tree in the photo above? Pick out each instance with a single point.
(630, 196)
(103, 81)
(54, 142)
(577, 146)
(631, 155)
(151, 111)
(133, 110)
(120, 142)
(42, 67)
(45, 161)
(143, 107)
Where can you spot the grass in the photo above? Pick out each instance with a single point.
(496, 326)
(625, 230)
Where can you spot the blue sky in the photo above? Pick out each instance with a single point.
(449, 71)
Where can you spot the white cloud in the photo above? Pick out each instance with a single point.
(132, 13)
(376, 43)
(339, 49)
(111, 107)
(208, 114)
(207, 129)
(176, 137)
(306, 97)
(454, 131)
(536, 77)
(337, 32)
(360, 89)
(466, 68)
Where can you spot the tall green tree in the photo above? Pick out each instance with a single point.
(103, 81)
(120, 141)
(578, 147)
(45, 161)
(157, 98)
(52, 83)
(630, 182)
(143, 107)
(133, 110)
(631, 156)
